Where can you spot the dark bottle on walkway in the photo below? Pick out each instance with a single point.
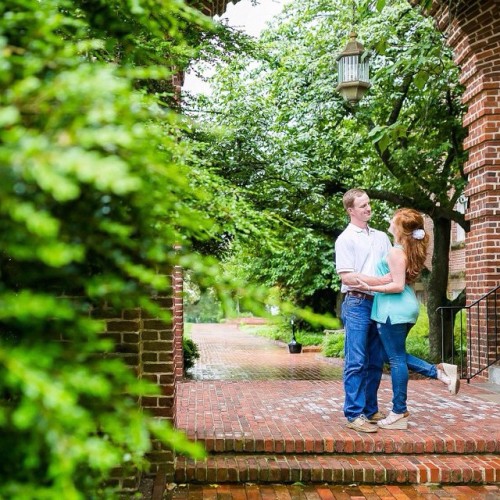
(294, 347)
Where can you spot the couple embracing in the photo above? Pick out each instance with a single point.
(378, 311)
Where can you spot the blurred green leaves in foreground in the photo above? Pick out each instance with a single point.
(97, 205)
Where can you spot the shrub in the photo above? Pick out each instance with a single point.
(460, 333)
(282, 331)
(308, 339)
(421, 328)
(333, 345)
(190, 351)
(418, 346)
(271, 331)
(417, 342)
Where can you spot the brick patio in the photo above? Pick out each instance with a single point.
(267, 416)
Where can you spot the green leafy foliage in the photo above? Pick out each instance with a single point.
(289, 141)
(309, 339)
(333, 346)
(207, 309)
(97, 203)
(301, 266)
(280, 329)
(190, 351)
(417, 342)
(460, 333)
(277, 331)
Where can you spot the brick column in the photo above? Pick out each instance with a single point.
(163, 363)
(473, 30)
(153, 349)
(125, 329)
(178, 326)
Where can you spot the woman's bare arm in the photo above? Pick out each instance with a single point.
(396, 259)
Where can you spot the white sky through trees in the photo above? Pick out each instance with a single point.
(247, 16)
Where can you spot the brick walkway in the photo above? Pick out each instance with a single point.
(230, 353)
(269, 416)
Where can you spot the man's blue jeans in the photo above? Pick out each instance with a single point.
(364, 357)
(393, 339)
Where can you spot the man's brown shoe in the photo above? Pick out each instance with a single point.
(361, 424)
(376, 417)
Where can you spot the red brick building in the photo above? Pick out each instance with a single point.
(457, 255)
(456, 279)
(473, 32)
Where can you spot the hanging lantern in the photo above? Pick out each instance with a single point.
(353, 70)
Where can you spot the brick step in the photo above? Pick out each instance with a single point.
(399, 442)
(340, 469)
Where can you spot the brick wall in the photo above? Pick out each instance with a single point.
(153, 349)
(429, 229)
(456, 281)
(457, 261)
(125, 329)
(162, 363)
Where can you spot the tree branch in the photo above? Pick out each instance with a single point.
(459, 300)
(424, 205)
(398, 105)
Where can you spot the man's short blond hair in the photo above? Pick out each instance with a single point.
(350, 196)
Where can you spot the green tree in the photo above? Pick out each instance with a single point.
(290, 140)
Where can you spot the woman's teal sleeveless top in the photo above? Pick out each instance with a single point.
(400, 307)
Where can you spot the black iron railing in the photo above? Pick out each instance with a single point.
(475, 330)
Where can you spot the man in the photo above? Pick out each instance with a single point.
(357, 251)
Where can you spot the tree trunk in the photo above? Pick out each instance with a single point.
(440, 346)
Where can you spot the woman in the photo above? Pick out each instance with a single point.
(396, 308)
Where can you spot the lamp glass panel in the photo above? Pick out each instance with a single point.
(349, 69)
(364, 71)
(352, 69)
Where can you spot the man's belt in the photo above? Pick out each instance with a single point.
(360, 295)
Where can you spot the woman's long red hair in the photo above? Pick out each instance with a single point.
(406, 221)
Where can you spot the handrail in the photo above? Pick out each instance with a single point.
(482, 349)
